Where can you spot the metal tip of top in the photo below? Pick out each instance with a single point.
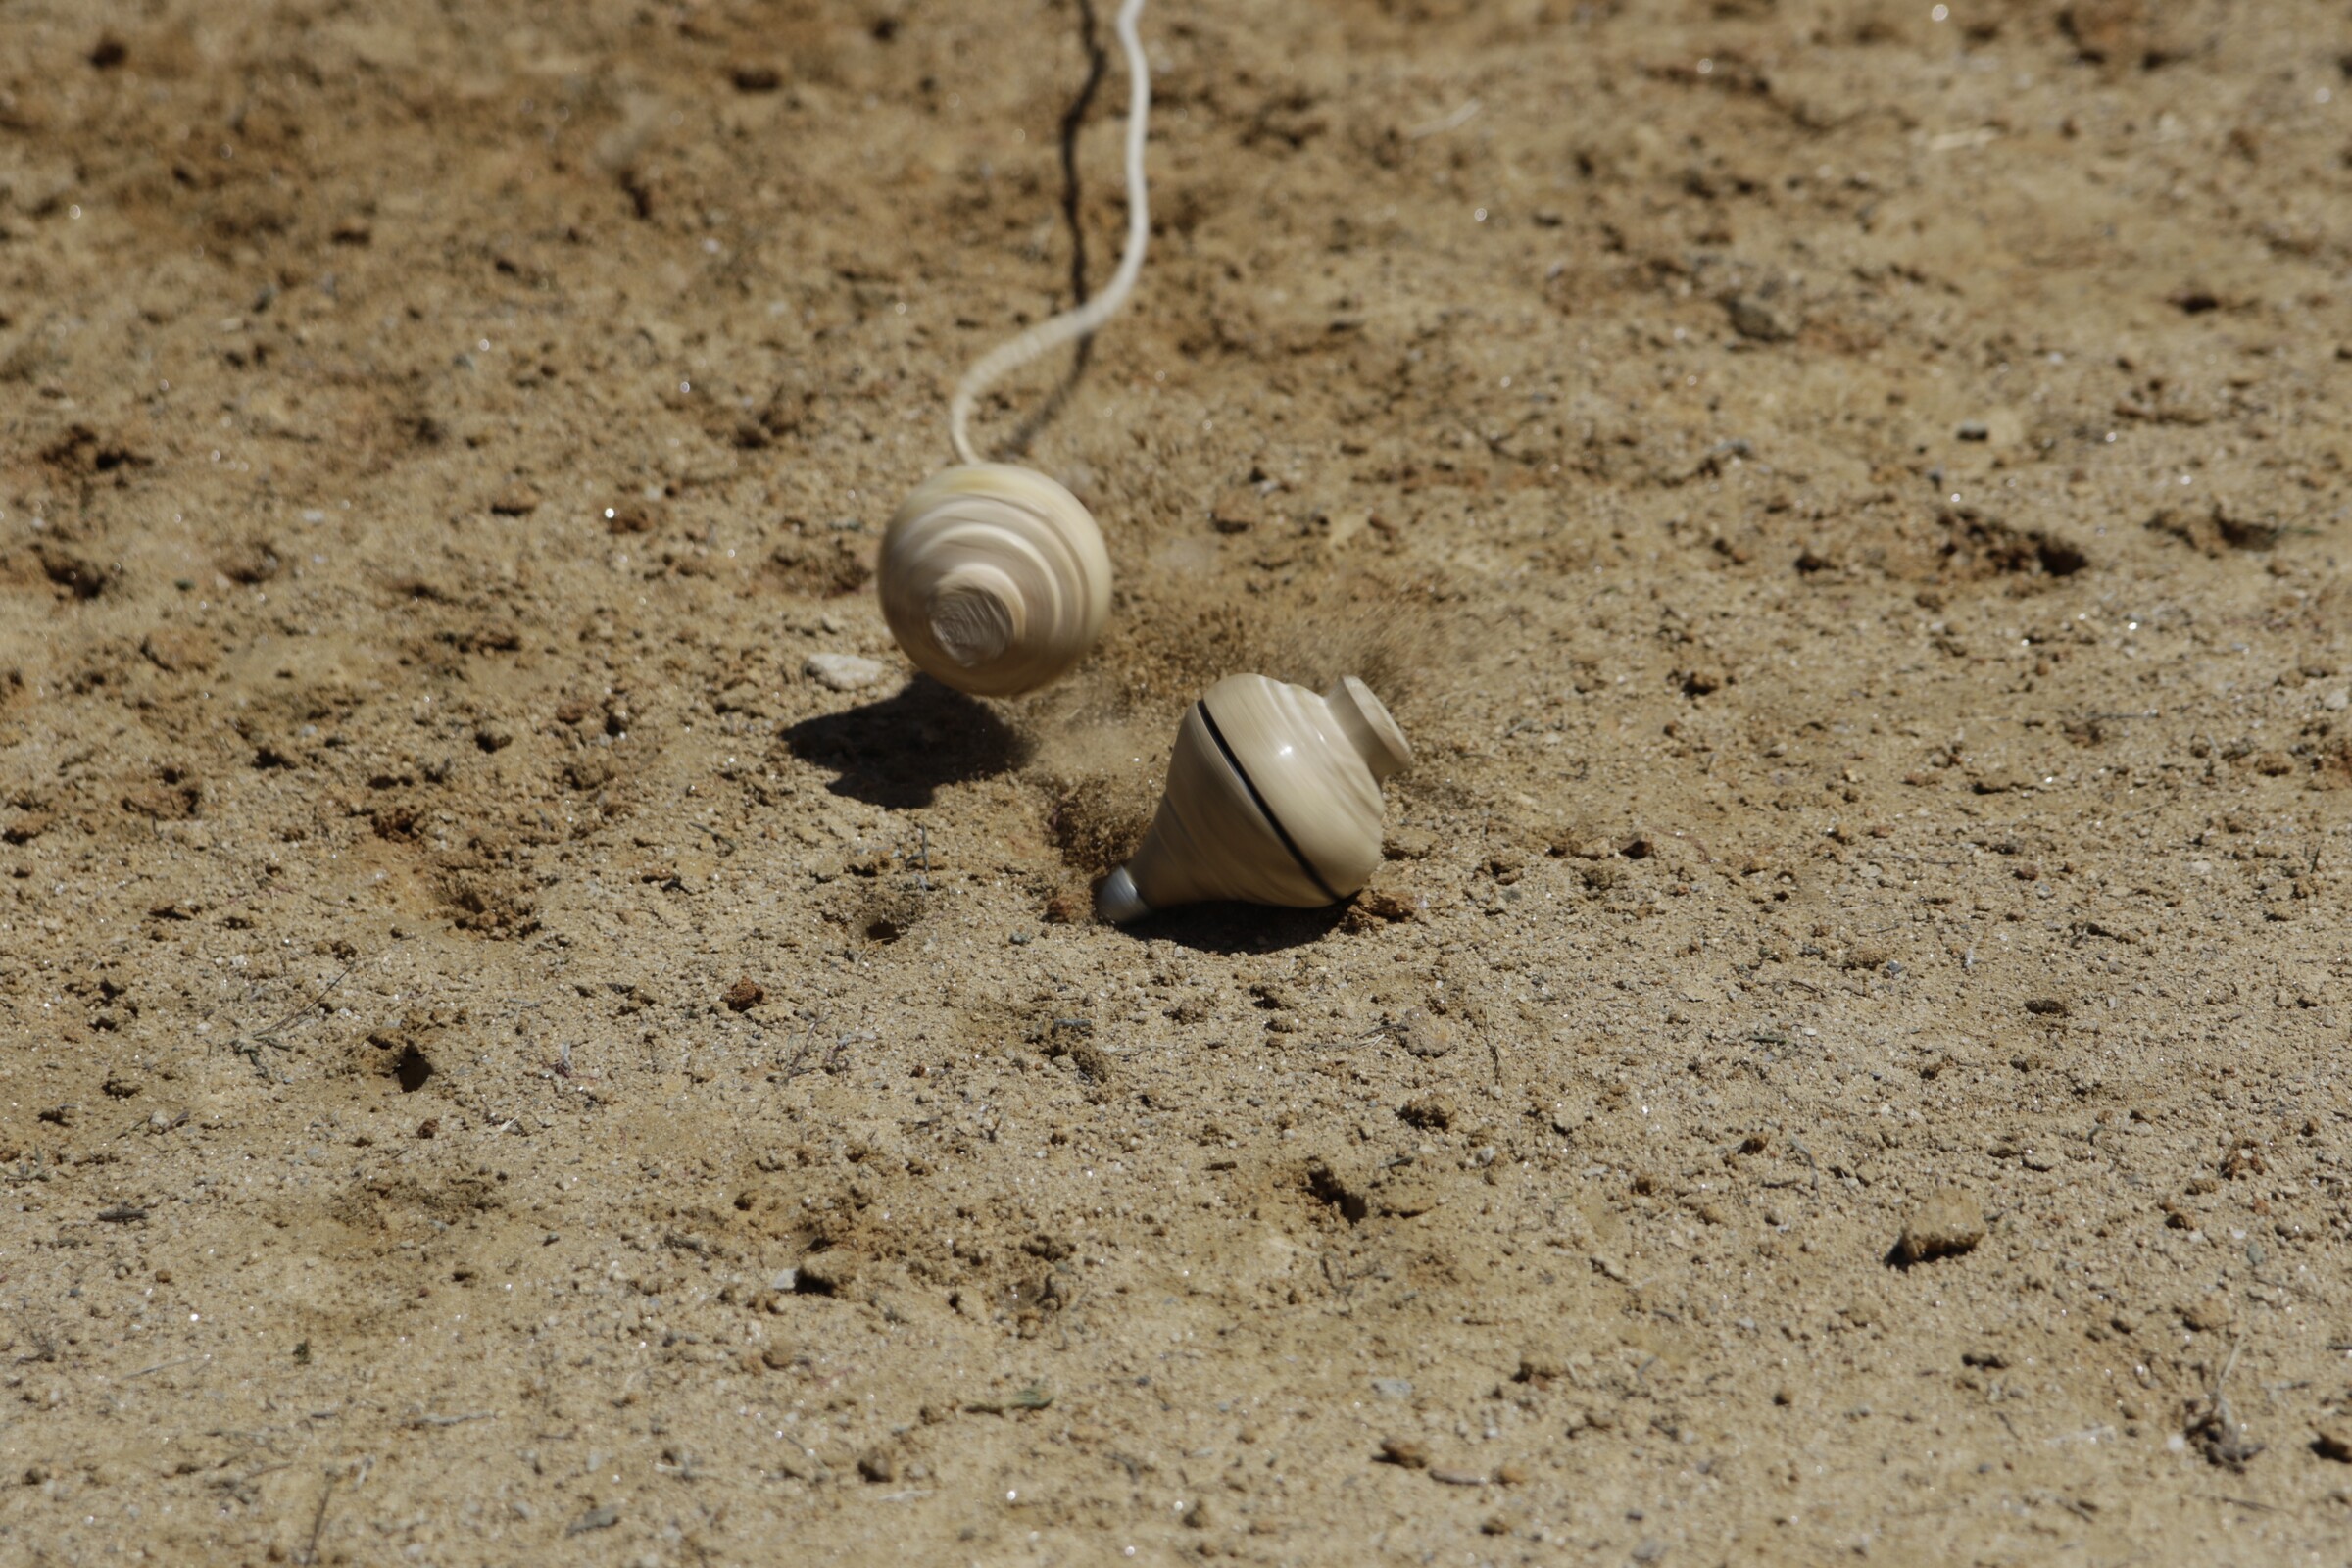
(1116, 900)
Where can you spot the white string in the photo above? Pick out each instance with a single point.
(1052, 333)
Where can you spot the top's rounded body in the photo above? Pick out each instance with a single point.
(994, 579)
(1273, 796)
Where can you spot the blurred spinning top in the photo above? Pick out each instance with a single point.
(1273, 796)
(994, 579)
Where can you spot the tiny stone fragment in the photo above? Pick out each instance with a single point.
(2333, 1441)
(177, 649)
(826, 1273)
(515, 501)
(1403, 1452)
(1430, 1112)
(1377, 906)
(603, 1518)
(1237, 511)
(1408, 844)
(1408, 1193)
(2223, 1437)
(1753, 317)
(844, 672)
(255, 561)
(1947, 1223)
(1423, 1034)
(2207, 1314)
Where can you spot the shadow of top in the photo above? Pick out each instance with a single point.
(1229, 929)
(895, 753)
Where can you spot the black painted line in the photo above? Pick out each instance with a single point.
(1263, 810)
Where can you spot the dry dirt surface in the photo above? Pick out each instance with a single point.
(1846, 1055)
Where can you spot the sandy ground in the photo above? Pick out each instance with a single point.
(1846, 1057)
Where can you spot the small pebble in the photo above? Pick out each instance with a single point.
(824, 1273)
(176, 649)
(1753, 317)
(1947, 1223)
(1377, 905)
(1392, 1388)
(1237, 511)
(844, 672)
(603, 1518)
(1423, 1034)
(27, 827)
(1408, 844)
(1403, 1452)
(2207, 1314)
(1430, 1112)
